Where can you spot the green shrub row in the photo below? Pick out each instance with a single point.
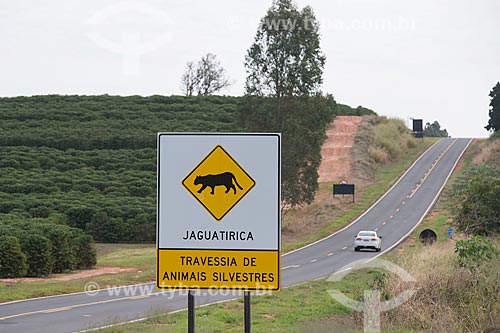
(37, 249)
(34, 158)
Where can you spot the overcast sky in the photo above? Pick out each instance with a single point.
(430, 59)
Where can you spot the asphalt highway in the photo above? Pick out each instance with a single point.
(394, 216)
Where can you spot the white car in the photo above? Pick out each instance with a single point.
(368, 240)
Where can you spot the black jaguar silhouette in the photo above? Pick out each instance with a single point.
(222, 179)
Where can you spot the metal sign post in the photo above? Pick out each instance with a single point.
(190, 312)
(247, 312)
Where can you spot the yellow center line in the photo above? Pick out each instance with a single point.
(430, 170)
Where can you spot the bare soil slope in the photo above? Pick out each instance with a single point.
(336, 164)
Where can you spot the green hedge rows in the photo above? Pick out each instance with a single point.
(37, 249)
(90, 161)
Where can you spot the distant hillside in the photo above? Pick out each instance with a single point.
(90, 161)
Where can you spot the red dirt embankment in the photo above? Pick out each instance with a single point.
(336, 164)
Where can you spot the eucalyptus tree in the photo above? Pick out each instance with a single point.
(284, 67)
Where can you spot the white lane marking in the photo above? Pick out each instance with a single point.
(330, 254)
(376, 229)
(403, 203)
(384, 223)
(345, 247)
(392, 216)
(397, 210)
(314, 260)
(291, 266)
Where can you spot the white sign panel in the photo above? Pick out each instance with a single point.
(256, 214)
(218, 191)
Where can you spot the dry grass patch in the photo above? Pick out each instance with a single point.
(448, 298)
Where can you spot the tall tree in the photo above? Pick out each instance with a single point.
(285, 58)
(303, 132)
(205, 78)
(494, 121)
(284, 68)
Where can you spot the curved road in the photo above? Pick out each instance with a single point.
(394, 216)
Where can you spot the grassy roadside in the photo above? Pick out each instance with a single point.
(308, 307)
(305, 307)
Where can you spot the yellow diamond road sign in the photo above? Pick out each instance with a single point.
(218, 182)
